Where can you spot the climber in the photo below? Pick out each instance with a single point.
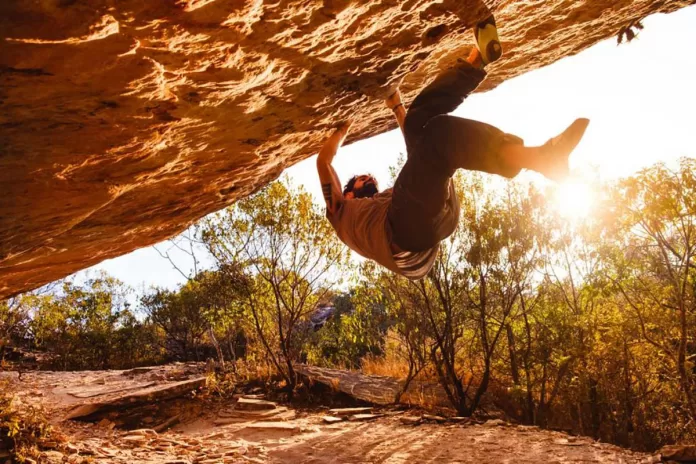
(401, 227)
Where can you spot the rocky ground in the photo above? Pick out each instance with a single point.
(133, 419)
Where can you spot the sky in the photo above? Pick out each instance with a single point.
(640, 98)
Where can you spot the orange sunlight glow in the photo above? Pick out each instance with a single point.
(574, 199)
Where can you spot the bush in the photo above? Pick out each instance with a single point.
(22, 432)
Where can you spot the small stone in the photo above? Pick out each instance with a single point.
(72, 449)
(410, 420)
(332, 419)
(460, 419)
(494, 423)
(250, 404)
(438, 419)
(341, 412)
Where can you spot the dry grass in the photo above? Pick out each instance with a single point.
(388, 366)
(392, 364)
(248, 370)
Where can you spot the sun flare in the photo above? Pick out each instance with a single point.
(574, 199)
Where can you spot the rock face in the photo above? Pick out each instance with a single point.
(121, 122)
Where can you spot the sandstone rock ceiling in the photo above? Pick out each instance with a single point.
(123, 121)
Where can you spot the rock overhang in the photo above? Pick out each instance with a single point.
(122, 122)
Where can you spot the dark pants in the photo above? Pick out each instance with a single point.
(424, 208)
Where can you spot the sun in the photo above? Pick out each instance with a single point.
(574, 199)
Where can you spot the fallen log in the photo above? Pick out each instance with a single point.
(376, 389)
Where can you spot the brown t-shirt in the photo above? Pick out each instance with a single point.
(362, 224)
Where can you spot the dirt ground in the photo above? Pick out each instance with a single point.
(217, 432)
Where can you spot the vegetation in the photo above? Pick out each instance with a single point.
(22, 430)
(292, 256)
(586, 324)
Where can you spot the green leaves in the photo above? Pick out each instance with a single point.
(292, 258)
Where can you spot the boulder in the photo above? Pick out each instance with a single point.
(123, 122)
(133, 398)
(679, 453)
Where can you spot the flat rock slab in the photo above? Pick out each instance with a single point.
(332, 419)
(137, 397)
(341, 412)
(93, 391)
(257, 413)
(251, 404)
(274, 426)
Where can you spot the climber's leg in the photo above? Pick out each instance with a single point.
(424, 208)
(449, 89)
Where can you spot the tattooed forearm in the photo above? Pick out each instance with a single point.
(326, 189)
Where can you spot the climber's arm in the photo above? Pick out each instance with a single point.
(330, 184)
(394, 103)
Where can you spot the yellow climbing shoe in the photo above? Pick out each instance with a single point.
(486, 35)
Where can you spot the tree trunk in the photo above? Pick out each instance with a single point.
(213, 339)
(514, 369)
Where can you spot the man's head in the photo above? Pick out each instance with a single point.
(364, 186)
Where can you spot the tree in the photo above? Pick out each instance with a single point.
(14, 320)
(356, 329)
(181, 316)
(654, 265)
(78, 323)
(293, 257)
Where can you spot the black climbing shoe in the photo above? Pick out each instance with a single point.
(487, 41)
(559, 148)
